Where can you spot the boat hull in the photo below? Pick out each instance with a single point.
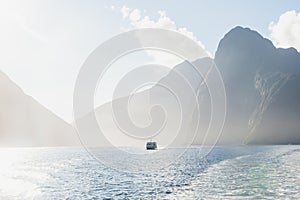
(151, 146)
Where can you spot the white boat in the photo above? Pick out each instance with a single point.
(151, 146)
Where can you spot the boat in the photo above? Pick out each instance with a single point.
(151, 145)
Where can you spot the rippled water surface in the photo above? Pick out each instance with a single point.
(258, 172)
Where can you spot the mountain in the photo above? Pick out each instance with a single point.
(165, 113)
(262, 83)
(26, 123)
(262, 86)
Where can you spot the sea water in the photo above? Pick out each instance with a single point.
(244, 172)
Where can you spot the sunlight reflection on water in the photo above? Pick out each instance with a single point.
(227, 173)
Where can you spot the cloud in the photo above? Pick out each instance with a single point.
(286, 32)
(135, 15)
(138, 20)
(162, 22)
(125, 12)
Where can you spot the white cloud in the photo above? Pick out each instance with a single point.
(135, 15)
(163, 22)
(125, 12)
(286, 32)
(138, 20)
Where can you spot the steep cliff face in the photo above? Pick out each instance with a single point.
(259, 79)
(24, 122)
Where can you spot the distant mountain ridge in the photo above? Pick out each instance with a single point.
(263, 102)
(263, 93)
(26, 123)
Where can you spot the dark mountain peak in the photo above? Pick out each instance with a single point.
(289, 51)
(246, 37)
(244, 42)
(240, 29)
(261, 84)
(244, 34)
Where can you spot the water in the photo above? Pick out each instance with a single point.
(249, 172)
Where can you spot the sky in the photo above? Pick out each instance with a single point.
(43, 44)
